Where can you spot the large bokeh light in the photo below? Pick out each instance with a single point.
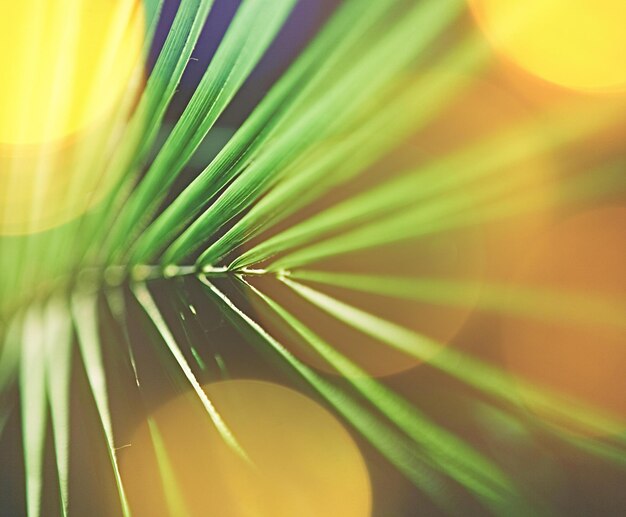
(301, 459)
(578, 44)
(67, 70)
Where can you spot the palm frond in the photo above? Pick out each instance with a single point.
(166, 237)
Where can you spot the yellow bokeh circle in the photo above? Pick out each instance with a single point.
(70, 73)
(301, 459)
(578, 44)
(65, 64)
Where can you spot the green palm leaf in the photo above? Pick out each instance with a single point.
(181, 240)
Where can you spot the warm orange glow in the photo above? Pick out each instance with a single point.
(67, 70)
(578, 44)
(584, 360)
(305, 462)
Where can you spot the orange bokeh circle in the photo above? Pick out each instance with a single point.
(583, 356)
(301, 459)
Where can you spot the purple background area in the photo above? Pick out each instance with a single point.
(306, 19)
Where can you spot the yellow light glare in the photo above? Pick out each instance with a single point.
(69, 73)
(302, 461)
(578, 44)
